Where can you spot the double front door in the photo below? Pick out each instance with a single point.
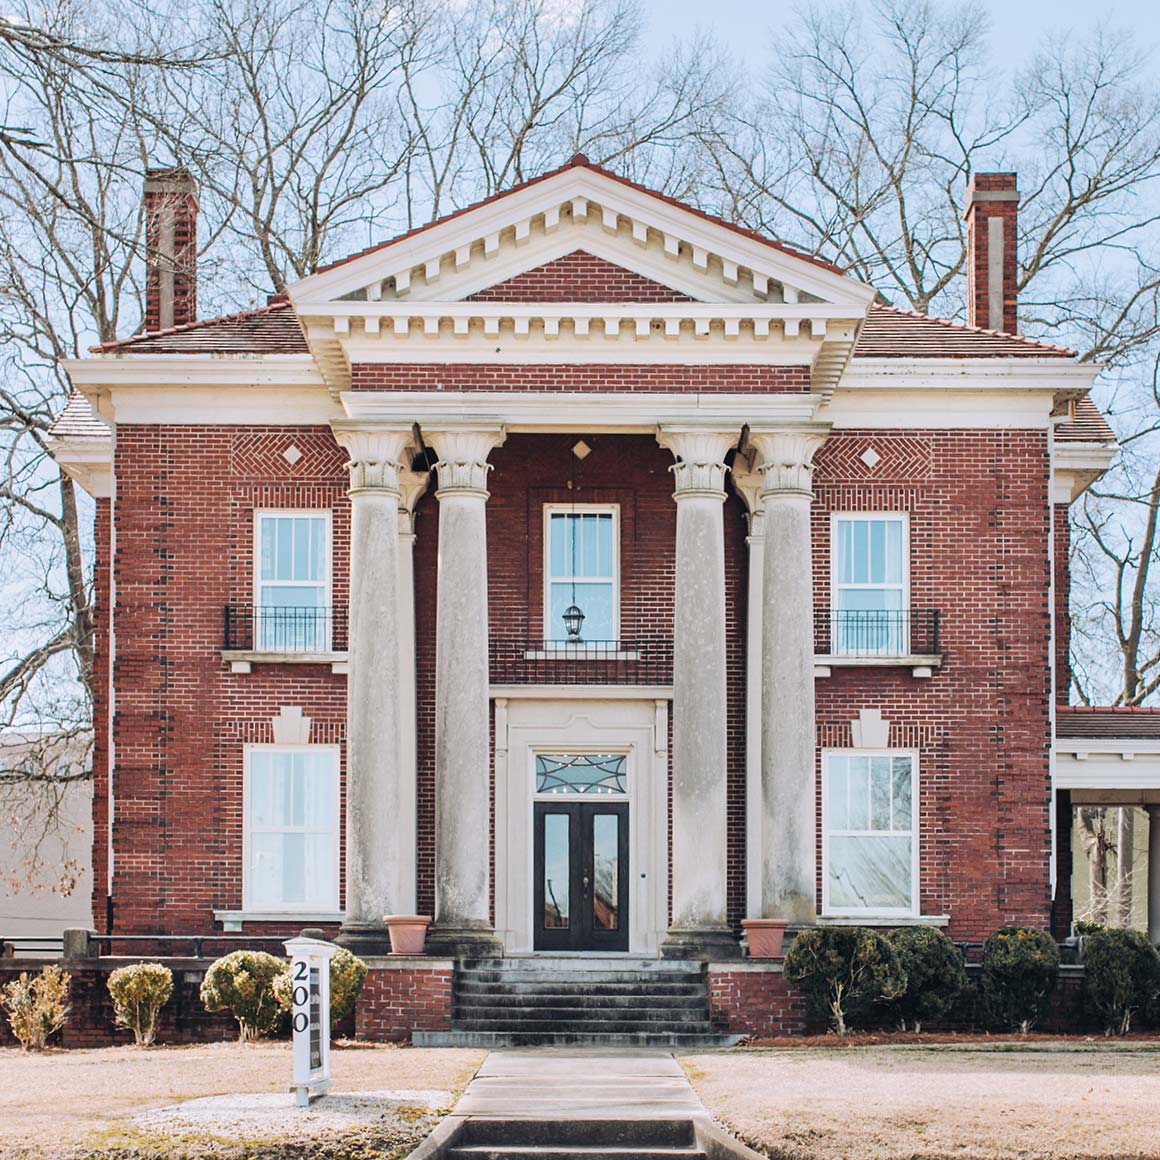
(581, 876)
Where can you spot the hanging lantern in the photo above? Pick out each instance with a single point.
(573, 620)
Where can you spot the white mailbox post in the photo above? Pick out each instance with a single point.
(310, 1016)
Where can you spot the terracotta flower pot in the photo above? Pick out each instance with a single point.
(408, 932)
(764, 936)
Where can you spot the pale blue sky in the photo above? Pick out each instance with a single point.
(744, 26)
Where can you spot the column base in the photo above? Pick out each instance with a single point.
(708, 943)
(464, 942)
(365, 939)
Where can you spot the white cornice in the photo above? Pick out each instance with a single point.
(243, 370)
(88, 462)
(1005, 374)
(529, 411)
(1076, 466)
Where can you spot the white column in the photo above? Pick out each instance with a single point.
(788, 745)
(380, 842)
(462, 760)
(700, 718)
(748, 486)
(1154, 874)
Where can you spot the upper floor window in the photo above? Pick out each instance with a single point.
(291, 828)
(292, 581)
(581, 571)
(869, 586)
(869, 834)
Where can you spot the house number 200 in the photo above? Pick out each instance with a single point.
(300, 997)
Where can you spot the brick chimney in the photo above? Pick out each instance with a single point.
(992, 215)
(170, 248)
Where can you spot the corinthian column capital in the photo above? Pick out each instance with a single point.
(412, 485)
(463, 453)
(700, 452)
(785, 457)
(376, 453)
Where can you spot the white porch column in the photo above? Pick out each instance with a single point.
(700, 743)
(380, 839)
(788, 779)
(1154, 874)
(462, 758)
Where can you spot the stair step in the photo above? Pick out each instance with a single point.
(660, 1133)
(572, 963)
(556, 985)
(573, 1152)
(491, 1039)
(589, 1026)
(525, 1016)
(562, 999)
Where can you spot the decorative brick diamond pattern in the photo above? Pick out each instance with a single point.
(258, 454)
(873, 458)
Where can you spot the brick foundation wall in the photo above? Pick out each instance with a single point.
(755, 999)
(398, 999)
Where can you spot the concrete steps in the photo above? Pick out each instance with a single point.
(587, 1139)
(567, 1002)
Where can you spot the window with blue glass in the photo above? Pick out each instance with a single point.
(292, 582)
(581, 597)
(870, 610)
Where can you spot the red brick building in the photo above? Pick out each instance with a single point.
(587, 573)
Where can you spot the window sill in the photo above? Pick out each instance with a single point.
(232, 920)
(919, 665)
(243, 660)
(884, 920)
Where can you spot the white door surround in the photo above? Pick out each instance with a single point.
(533, 723)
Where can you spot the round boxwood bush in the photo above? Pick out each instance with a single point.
(139, 992)
(243, 984)
(844, 971)
(935, 975)
(347, 974)
(1121, 977)
(1019, 973)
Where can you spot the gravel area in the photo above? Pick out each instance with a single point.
(123, 1103)
(931, 1103)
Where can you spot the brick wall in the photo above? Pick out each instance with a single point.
(579, 277)
(564, 378)
(755, 999)
(102, 527)
(396, 1001)
(1062, 561)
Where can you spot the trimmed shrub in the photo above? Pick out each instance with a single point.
(347, 974)
(1083, 928)
(242, 983)
(844, 972)
(1019, 973)
(37, 1006)
(1121, 977)
(935, 975)
(139, 992)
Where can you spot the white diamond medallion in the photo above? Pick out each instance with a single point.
(871, 458)
(292, 455)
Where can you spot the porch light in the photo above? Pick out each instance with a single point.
(573, 619)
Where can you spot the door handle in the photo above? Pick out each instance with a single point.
(584, 883)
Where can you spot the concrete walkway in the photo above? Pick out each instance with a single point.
(577, 1084)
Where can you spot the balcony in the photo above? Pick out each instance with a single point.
(646, 661)
(255, 635)
(847, 638)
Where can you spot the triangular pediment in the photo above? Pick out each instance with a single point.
(579, 276)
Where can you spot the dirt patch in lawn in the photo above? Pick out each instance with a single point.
(63, 1105)
(923, 1103)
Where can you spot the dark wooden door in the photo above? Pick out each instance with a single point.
(581, 872)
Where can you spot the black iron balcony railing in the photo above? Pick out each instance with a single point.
(250, 628)
(637, 661)
(865, 635)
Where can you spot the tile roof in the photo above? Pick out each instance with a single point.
(1086, 425)
(77, 421)
(272, 329)
(1082, 721)
(890, 333)
(582, 162)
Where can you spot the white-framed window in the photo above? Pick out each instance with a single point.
(291, 828)
(582, 568)
(870, 609)
(292, 581)
(870, 833)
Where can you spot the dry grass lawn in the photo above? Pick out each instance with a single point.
(906, 1103)
(72, 1103)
